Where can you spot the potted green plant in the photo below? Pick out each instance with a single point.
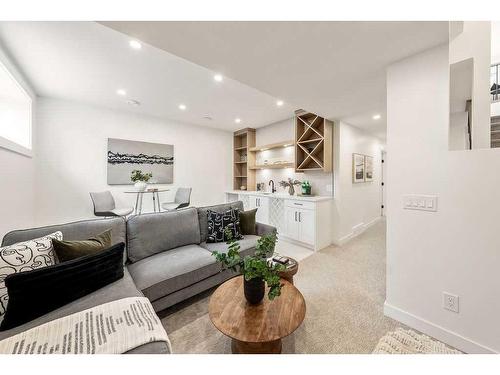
(141, 179)
(290, 185)
(256, 269)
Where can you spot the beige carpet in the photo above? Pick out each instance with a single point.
(344, 289)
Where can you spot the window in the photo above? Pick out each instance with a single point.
(15, 112)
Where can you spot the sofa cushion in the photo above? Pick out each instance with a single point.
(68, 250)
(35, 293)
(218, 224)
(78, 230)
(22, 257)
(122, 288)
(247, 221)
(151, 234)
(220, 208)
(247, 245)
(169, 271)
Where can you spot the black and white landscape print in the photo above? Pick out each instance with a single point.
(124, 156)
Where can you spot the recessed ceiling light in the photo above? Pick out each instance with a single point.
(376, 117)
(218, 78)
(238, 120)
(135, 44)
(121, 92)
(182, 107)
(279, 103)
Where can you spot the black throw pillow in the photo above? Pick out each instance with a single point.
(35, 293)
(218, 222)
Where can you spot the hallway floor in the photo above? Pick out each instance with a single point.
(344, 289)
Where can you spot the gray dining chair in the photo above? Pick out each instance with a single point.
(182, 199)
(104, 205)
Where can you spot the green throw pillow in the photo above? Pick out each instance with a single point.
(247, 221)
(68, 250)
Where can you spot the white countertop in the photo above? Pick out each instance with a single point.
(314, 198)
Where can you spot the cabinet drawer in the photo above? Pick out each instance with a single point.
(300, 204)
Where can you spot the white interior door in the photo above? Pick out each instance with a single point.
(383, 171)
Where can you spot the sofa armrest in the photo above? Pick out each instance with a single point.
(262, 229)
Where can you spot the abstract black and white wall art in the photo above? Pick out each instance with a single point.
(124, 156)
(368, 168)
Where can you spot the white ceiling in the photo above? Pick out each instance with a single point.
(336, 69)
(88, 62)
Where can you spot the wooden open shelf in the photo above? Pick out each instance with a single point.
(273, 166)
(313, 142)
(243, 140)
(272, 145)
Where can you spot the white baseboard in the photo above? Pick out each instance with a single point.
(433, 330)
(356, 231)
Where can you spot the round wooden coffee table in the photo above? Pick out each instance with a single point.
(256, 329)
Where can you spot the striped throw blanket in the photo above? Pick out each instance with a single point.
(111, 328)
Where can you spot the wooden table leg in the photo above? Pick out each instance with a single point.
(270, 347)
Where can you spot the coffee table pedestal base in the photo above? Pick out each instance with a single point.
(242, 347)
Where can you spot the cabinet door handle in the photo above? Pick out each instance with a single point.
(295, 215)
(300, 218)
(298, 204)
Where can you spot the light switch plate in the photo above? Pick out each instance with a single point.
(420, 202)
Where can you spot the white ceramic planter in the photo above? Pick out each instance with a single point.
(140, 186)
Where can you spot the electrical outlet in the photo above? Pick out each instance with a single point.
(450, 302)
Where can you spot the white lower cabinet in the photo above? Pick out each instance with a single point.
(262, 206)
(300, 224)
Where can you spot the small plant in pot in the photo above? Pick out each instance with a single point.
(290, 185)
(141, 179)
(256, 269)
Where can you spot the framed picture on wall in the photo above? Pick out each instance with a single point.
(124, 156)
(358, 168)
(368, 168)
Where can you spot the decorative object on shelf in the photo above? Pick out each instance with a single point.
(243, 187)
(313, 142)
(368, 168)
(124, 156)
(243, 157)
(306, 188)
(140, 179)
(358, 168)
(290, 185)
(256, 269)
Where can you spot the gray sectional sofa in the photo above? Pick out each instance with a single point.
(168, 260)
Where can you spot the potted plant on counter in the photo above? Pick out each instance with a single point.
(256, 269)
(290, 185)
(141, 179)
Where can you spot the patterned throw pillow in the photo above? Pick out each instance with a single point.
(218, 222)
(25, 256)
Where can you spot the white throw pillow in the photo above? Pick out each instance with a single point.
(25, 256)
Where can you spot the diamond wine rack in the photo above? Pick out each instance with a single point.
(313, 142)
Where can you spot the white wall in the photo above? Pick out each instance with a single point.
(474, 42)
(17, 203)
(456, 249)
(279, 132)
(356, 206)
(72, 147)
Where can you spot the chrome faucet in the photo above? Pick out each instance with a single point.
(273, 189)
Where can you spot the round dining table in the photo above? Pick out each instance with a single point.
(140, 195)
